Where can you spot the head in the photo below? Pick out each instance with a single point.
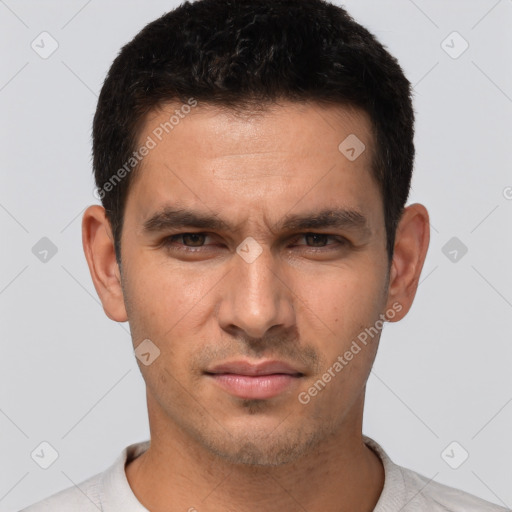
(279, 136)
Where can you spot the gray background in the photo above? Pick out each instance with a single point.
(68, 374)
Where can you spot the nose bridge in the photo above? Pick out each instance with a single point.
(256, 299)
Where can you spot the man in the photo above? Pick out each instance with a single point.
(253, 159)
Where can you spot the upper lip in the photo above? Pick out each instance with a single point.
(261, 368)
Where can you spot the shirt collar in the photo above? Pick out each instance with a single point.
(116, 493)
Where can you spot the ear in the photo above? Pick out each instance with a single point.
(98, 244)
(411, 244)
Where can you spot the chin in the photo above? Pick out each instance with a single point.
(275, 446)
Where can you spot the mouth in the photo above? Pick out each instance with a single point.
(260, 381)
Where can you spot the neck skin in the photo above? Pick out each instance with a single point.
(178, 474)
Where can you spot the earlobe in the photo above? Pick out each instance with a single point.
(411, 245)
(98, 244)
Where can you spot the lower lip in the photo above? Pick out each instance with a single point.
(257, 387)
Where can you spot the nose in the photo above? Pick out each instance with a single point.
(256, 296)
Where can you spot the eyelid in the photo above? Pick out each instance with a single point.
(168, 240)
(327, 235)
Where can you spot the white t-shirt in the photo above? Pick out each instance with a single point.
(404, 491)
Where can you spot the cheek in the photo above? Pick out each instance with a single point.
(165, 295)
(345, 301)
(337, 319)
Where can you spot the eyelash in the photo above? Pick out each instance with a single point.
(168, 242)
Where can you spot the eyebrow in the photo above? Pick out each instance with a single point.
(338, 218)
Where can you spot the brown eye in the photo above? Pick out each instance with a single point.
(194, 238)
(316, 239)
(189, 240)
(320, 240)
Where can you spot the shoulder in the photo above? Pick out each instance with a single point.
(83, 497)
(108, 490)
(408, 491)
(434, 496)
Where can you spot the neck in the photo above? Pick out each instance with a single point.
(177, 473)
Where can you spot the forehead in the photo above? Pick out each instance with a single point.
(292, 154)
(301, 119)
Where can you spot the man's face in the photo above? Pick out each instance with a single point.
(220, 300)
